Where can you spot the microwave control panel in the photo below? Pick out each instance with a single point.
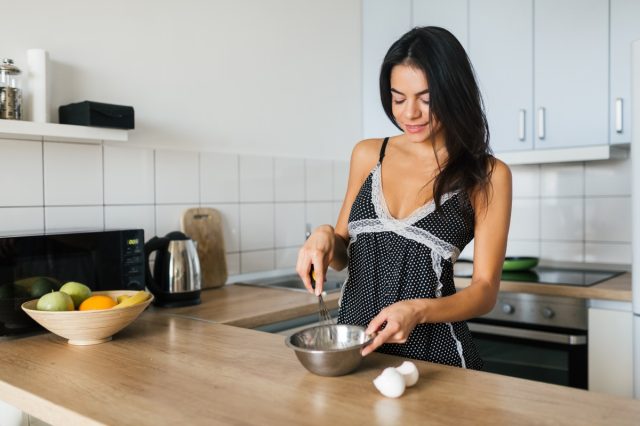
(133, 260)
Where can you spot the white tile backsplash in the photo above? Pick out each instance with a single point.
(131, 217)
(289, 179)
(257, 261)
(526, 181)
(72, 174)
(619, 253)
(257, 226)
(21, 173)
(319, 213)
(562, 180)
(219, 178)
(233, 263)
(289, 224)
(319, 180)
(177, 177)
(14, 219)
(608, 177)
(340, 179)
(74, 217)
(337, 206)
(168, 217)
(608, 219)
(230, 225)
(256, 178)
(562, 219)
(523, 248)
(286, 257)
(128, 175)
(525, 219)
(585, 212)
(561, 251)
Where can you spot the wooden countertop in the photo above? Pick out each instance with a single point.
(166, 369)
(251, 306)
(617, 288)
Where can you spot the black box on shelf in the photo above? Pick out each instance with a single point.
(97, 114)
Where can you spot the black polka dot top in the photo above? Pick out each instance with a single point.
(398, 259)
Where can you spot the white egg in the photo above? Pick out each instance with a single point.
(390, 383)
(409, 373)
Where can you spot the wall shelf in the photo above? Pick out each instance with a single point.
(566, 155)
(17, 129)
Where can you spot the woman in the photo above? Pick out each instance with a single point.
(442, 189)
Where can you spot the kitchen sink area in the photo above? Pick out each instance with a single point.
(333, 283)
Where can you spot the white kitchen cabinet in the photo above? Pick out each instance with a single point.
(610, 348)
(625, 28)
(501, 34)
(452, 15)
(383, 22)
(571, 72)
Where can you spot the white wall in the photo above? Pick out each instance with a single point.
(276, 77)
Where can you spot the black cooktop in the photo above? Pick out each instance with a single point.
(546, 275)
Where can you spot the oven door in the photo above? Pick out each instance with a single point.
(548, 355)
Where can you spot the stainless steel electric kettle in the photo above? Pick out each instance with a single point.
(176, 279)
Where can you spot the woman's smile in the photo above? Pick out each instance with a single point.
(415, 128)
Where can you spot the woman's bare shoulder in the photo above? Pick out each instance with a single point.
(366, 153)
(500, 174)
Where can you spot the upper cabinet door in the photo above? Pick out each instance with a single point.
(571, 72)
(451, 15)
(383, 22)
(625, 28)
(501, 34)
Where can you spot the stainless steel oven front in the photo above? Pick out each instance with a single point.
(535, 337)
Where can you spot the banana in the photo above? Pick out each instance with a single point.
(138, 297)
(120, 298)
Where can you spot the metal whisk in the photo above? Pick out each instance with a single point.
(323, 311)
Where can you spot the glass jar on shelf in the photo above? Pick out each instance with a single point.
(10, 91)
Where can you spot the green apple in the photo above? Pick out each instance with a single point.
(55, 301)
(40, 287)
(77, 291)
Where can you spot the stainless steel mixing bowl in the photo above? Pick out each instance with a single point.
(329, 350)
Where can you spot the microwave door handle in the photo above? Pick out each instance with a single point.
(521, 333)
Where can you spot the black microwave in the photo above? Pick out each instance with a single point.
(32, 264)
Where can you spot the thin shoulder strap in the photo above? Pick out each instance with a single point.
(383, 148)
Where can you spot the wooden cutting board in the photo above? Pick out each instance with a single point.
(204, 225)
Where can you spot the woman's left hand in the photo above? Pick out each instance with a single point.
(400, 318)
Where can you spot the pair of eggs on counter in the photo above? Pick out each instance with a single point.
(394, 380)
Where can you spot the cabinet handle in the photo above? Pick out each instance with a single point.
(618, 115)
(541, 123)
(521, 124)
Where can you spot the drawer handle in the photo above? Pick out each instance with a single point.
(541, 129)
(618, 116)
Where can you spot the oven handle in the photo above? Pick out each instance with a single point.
(522, 333)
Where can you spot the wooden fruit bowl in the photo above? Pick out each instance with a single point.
(88, 327)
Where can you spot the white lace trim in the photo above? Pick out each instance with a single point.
(443, 248)
(436, 262)
(382, 210)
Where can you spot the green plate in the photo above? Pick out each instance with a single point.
(519, 263)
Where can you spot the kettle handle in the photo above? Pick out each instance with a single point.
(152, 245)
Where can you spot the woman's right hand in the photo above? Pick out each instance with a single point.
(317, 252)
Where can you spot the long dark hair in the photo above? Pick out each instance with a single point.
(455, 102)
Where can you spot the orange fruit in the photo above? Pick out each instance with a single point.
(99, 301)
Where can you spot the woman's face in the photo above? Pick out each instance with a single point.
(410, 102)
